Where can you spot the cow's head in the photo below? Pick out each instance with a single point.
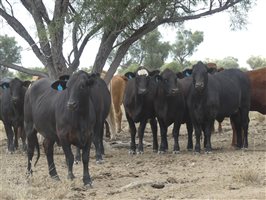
(169, 81)
(17, 90)
(200, 76)
(78, 88)
(142, 78)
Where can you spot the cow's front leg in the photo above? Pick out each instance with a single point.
(164, 143)
(85, 159)
(141, 135)
(176, 136)
(69, 159)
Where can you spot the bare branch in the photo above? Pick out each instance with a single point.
(19, 28)
(24, 70)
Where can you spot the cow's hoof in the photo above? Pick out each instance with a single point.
(208, 152)
(196, 153)
(99, 161)
(88, 185)
(161, 152)
(140, 152)
(70, 176)
(87, 182)
(155, 150)
(132, 152)
(56, 178)
(29, 173)
(176, 152)
(76, 162)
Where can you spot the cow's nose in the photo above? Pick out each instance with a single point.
(174, 90)
(199, 85)
(142, 91)
(72, 105)
(15, 99)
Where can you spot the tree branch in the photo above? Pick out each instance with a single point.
(24, 70)
(19, 28)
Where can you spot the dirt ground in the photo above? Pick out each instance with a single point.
(225, 174)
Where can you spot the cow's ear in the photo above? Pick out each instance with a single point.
(5, 85)
(179, 75)
(158, 78)
(26, 83)
(187, 72)
(130, 75)
(154, 72)
(59, 85)
(64, 77)
(211, 70)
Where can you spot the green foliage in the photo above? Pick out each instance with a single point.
(148, 51)
(226, 63)
(185, 45)
(174, 66)
(256, 62)
(9, 53)
(131, 68)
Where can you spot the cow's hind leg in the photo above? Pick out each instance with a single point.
(236, 119)
(77, 155)
(32, 142)
(16, 134)
(85, 159)
(49, 151)
(189, 133)
(154, 129)
(244, 125)
(207, 137)
(69, 159)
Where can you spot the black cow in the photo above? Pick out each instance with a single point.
(101, 100)
(138, 103)
(12, 112)
(170, 107)
(63, 112)
(223, 94)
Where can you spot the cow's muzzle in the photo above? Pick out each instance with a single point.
(199, 86)
(72, 105)
(15, 100)
(142, 91)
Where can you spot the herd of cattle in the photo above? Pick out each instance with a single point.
(74, 109)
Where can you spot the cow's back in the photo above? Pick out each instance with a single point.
(118, 85)
(258, 90)
(233, 88)
(39, 106)
(101, 98)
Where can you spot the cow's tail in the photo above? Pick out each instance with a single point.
(37, 146)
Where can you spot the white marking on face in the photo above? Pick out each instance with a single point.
(143, 72)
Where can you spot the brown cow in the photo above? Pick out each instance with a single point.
(118, 85)
(258, 94)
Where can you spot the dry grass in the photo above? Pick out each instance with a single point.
(247, 177)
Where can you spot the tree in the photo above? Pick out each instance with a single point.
(227, 62)
(118, 24)
(9, 53)
(256, 62)
(185, 45)
(174, 66)
(148, 51)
